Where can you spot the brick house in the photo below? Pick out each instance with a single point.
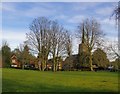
(15, 62)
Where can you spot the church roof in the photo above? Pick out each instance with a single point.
(72, 58)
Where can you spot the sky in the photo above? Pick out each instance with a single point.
(17, 16)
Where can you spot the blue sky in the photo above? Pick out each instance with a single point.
(16, 17)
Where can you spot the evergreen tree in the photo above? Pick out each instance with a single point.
(116, 64)
(100, 58)
(6, 55)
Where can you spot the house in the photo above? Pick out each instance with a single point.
(50, 64)
(27, 64)
(15, 62)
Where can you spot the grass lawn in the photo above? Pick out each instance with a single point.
(15, 80)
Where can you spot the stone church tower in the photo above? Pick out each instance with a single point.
(82, 54)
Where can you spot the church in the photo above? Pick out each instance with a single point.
(80, 60)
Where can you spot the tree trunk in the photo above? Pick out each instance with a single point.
(23, 63)
(90, 61)
(54, 69)
(23, 66)
(39, 66)
(54, 62)
(43, 66)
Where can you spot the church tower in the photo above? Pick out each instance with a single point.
(82, 46)
(82, 49)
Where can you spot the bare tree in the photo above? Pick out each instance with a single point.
(68, 43)
(91, 36)
(113, 50)
(39, 40)
(116, 13)
(57, 43)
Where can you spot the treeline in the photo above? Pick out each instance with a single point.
(48, 39)
(23, 55)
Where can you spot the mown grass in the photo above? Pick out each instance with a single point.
(15, 80)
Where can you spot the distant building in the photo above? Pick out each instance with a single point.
(79, 60)
(18, 64)
(50, 64)
(71, 62)
(15, 62)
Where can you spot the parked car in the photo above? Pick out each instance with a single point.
(14, 65)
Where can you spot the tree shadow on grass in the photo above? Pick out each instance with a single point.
(14, 86)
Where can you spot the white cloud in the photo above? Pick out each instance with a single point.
(84, 5)
(35, 11)
(76, 19)
(62, 16)
(109, 27)
(8, 7)
(108, 21)
(106, 11)
(13, 35)
(39, 11)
